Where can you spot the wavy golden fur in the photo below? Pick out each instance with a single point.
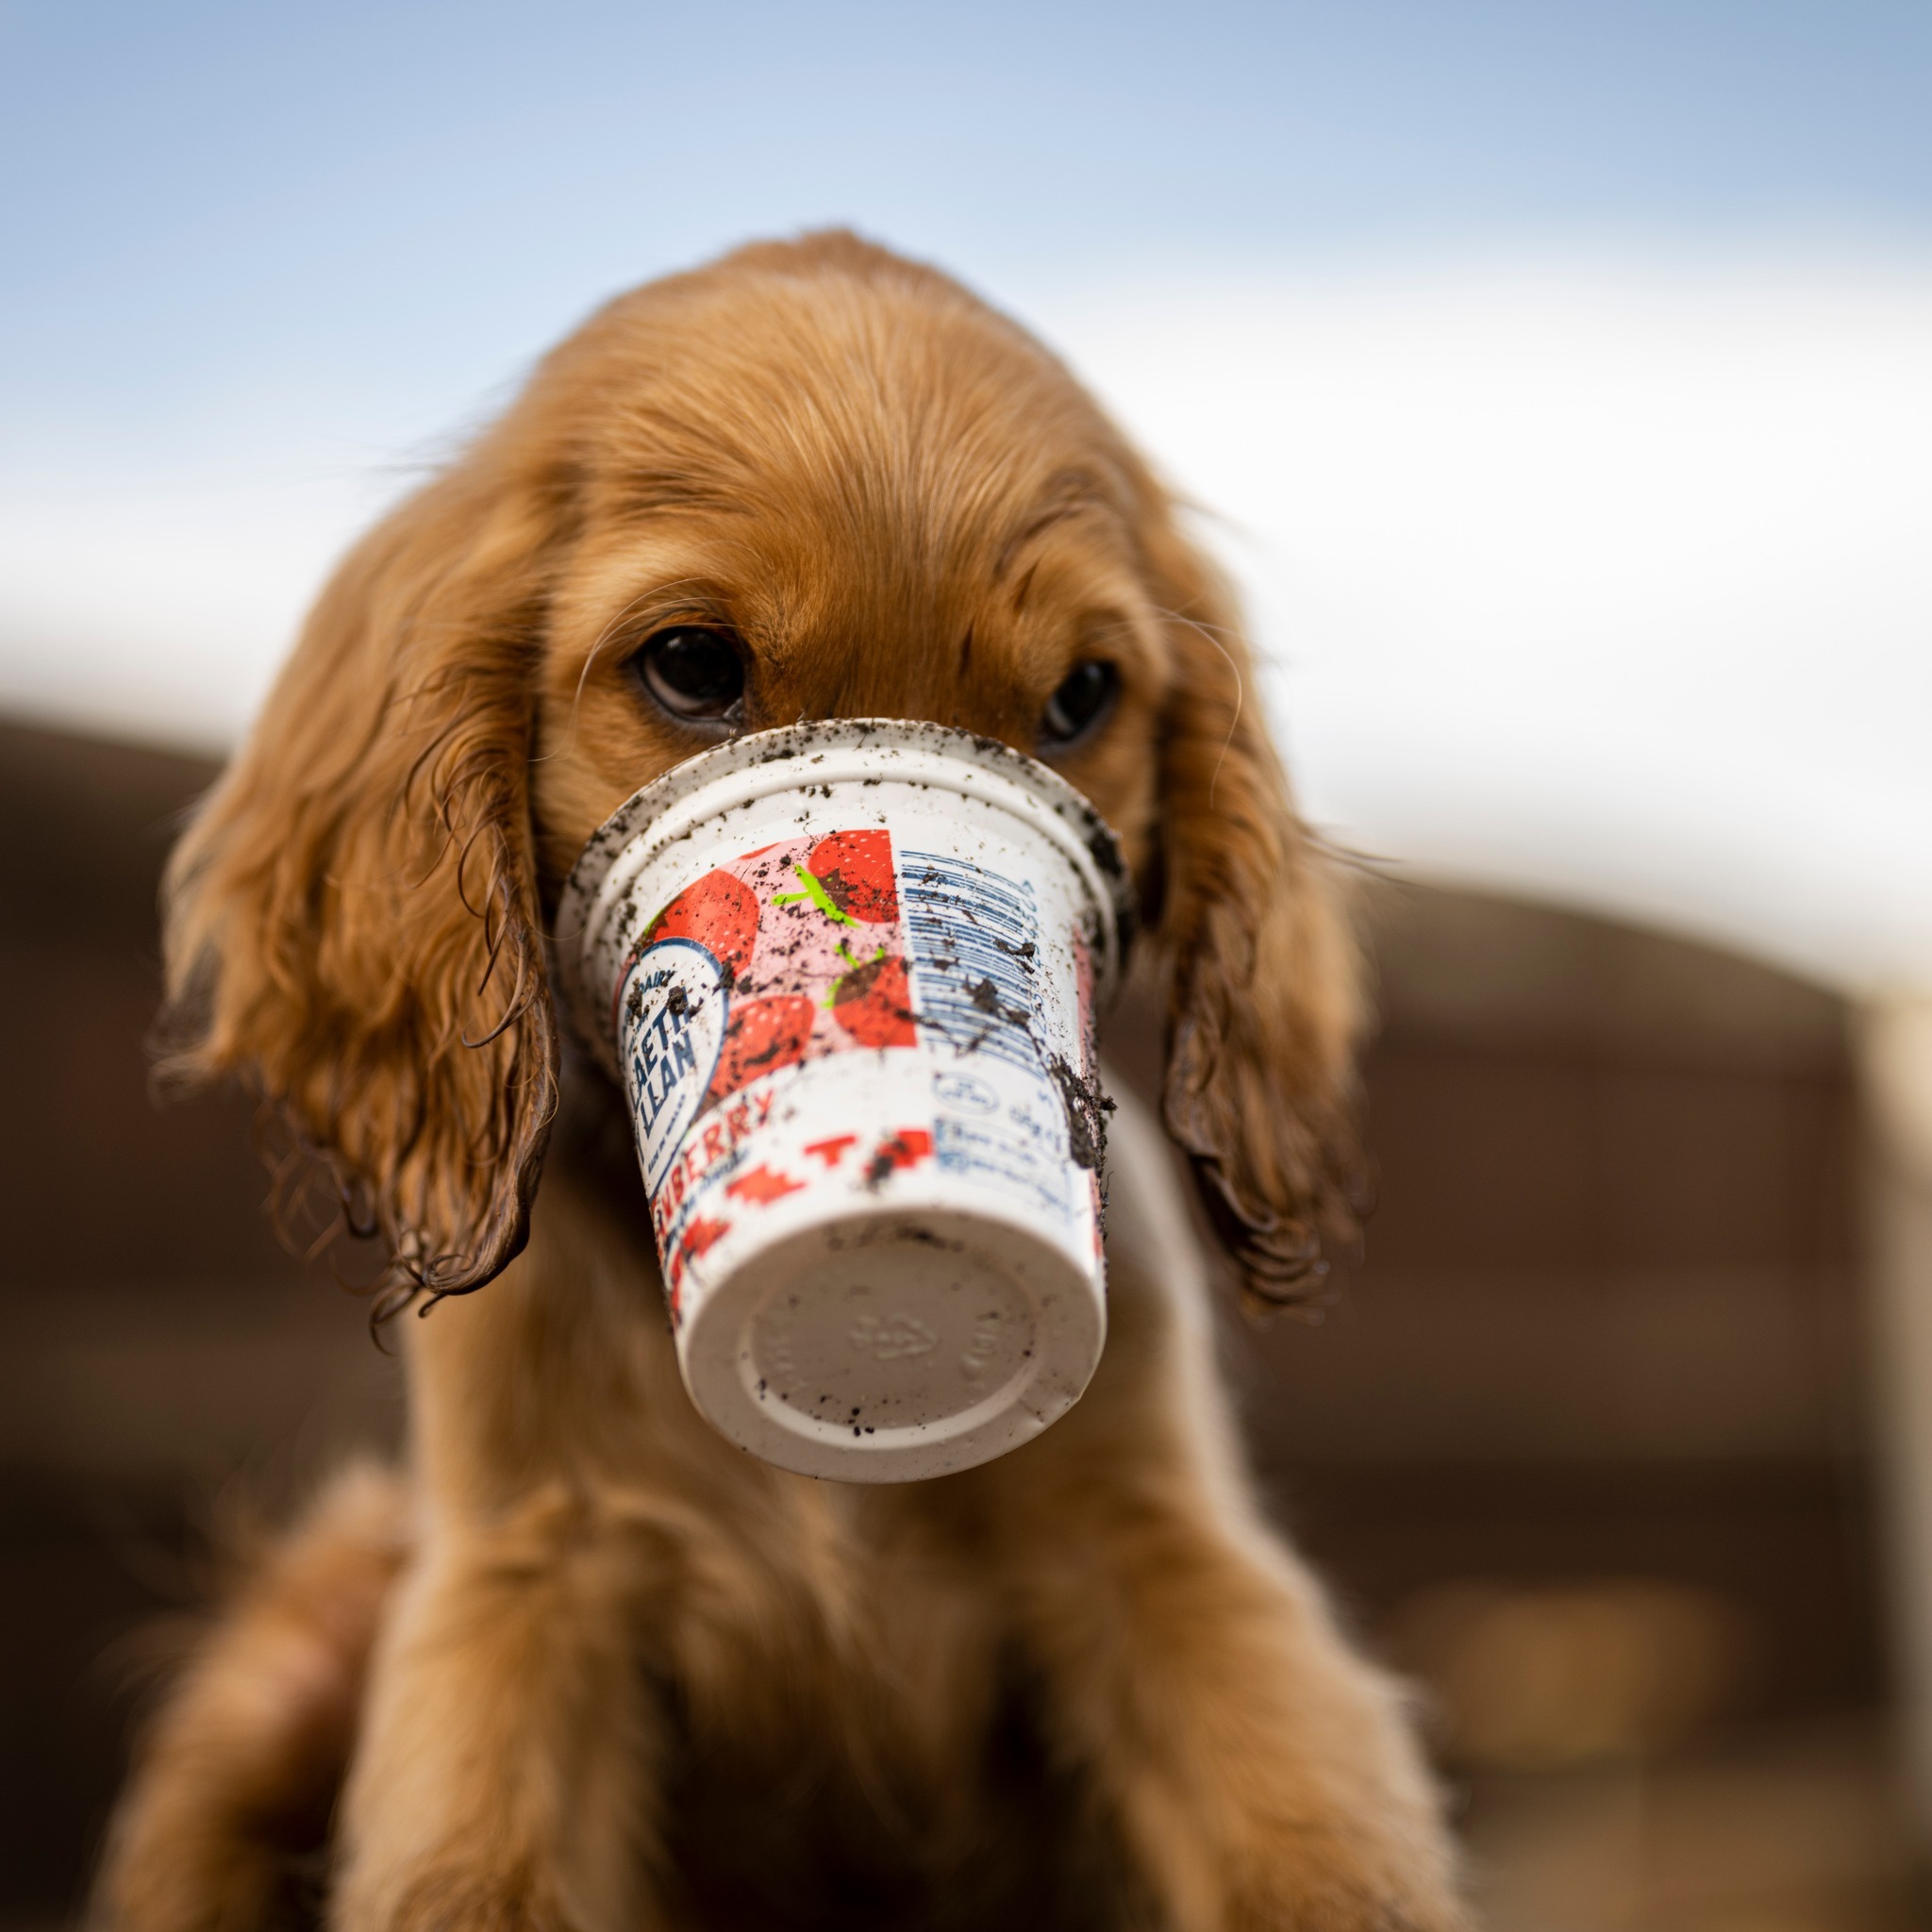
(582, 1664)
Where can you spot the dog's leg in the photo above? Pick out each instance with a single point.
(1261, 1773)
(502, 1777)
(240, 1766)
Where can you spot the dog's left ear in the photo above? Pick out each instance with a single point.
(1263, 973)
(351, 919)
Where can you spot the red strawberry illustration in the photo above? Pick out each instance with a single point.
(856, 869)
(762, 1185)
(906, 1148)
(872, 1003)
(761, 1036)
(700, 1235)
(703, 1235)
(720, 912)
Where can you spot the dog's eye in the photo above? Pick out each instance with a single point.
(1085, 696)
(693, 673)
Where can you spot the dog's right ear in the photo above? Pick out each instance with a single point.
(351, 921)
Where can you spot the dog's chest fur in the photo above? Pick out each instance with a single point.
(810, 1834)
(846, 1734)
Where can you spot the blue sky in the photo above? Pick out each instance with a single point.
(1562, 373)
(211, 206)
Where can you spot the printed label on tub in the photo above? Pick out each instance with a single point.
(975, 948)
(787, 953)
(828, 946)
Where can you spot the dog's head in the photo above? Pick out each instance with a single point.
(812, 480)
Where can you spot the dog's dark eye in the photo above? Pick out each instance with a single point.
(1085, 696)
(693, 673)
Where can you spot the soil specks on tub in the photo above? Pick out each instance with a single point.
(906, 1148)
(925, 1237)
(985, 996)
(1087, 1107)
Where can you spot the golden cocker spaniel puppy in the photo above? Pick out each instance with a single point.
(582, 1664)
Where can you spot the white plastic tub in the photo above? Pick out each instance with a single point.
(846, 974)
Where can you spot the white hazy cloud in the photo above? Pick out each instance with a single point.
(1615, 587)
(1606, 586)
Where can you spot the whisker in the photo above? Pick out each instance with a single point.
(1241, 691)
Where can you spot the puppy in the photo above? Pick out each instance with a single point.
(583, 1664)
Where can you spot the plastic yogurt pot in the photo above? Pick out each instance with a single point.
(846, 975)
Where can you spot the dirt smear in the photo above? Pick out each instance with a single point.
(1087, 1107)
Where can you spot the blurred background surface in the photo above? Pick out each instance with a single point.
(1556, 381)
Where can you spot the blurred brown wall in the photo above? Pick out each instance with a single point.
(1608, 1325)
(164, 1354)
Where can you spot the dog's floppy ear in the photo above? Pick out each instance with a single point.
(1263, 1005)
(351, 920)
